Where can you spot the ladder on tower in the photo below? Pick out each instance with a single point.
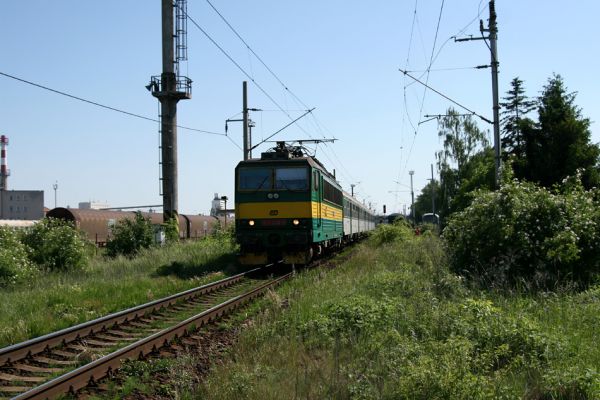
(180, 33)
(160, 161)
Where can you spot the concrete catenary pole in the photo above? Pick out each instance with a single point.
(412, 196)
(432, 194)
(247, 144)
(493, 28)
(168, 112)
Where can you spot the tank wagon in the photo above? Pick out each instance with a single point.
(289, 207)
(97, 224)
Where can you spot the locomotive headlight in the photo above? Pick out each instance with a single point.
(296, 222)
(251, 222)
(276, 196)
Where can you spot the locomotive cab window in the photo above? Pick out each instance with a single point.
(291, 179)
(255, 178)
(316, 180)
(331, 193)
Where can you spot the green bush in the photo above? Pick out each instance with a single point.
(15, 266)
(129, 236)
(171, 228)
(54, 244)
(524, 233)
(350, 317)
(388, 233)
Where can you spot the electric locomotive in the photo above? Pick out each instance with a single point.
(289, 207)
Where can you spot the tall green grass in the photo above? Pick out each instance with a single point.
(56, 300)
(395, 323)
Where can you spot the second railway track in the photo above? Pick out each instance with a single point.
(70, 359)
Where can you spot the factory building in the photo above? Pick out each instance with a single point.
(219, 207)
(17, 204)
(21, 204)
(93, 205)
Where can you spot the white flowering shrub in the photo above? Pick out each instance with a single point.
(524, 233)
(15, 266)
(54, 244)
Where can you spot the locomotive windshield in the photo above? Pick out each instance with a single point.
(255, 178)
(291, 178)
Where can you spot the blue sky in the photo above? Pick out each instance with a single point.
(341, 57)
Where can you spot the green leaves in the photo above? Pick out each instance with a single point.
(524, 232)
(54, 244)
(15, 265)
(130, 236)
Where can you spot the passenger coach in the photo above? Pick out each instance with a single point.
(290, 208)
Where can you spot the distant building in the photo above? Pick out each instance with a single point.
(218, 207)
(93, 205)
(22, 204)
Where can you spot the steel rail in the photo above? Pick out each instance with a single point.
(37, 345)
(96, 370)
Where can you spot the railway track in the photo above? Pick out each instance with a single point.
(70, 359)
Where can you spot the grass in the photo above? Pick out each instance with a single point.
(394, 323)
(58, 300)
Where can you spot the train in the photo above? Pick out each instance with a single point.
(289, 207)
(97, 224)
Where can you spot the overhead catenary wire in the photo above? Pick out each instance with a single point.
(235, 144)
(230, 58)
(278, 79)
(102, 105)
(447, 98)
(435, 57)
(427, 72)
(256, 55)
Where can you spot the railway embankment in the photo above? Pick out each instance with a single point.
(394, 322)
(54, 300)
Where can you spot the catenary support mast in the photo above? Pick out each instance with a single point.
(169, 88)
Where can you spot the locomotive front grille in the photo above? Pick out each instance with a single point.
(274, 239)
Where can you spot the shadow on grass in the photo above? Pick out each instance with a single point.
(227, 264)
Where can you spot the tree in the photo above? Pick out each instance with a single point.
(463, 140)
(423, 202)
(516, 107)
(559, 144)
(462, 137)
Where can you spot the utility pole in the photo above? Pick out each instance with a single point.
(412, 196)
(493, 38)
(432, 193)
(247, 122)
(493, 30)
(55, 187)
(247, 142)
(352, 189)
(169, 88)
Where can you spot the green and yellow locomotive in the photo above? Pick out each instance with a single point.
(289, 207)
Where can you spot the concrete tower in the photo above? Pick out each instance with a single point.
(4, 171)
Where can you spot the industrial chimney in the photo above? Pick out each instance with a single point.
(4, 171)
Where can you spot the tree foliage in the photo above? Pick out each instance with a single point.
(526, 232)
(129, 236)
(516, 107)
(15, 265)
(463, 163)
(462, 137)
(423, 203)
(558, 144)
